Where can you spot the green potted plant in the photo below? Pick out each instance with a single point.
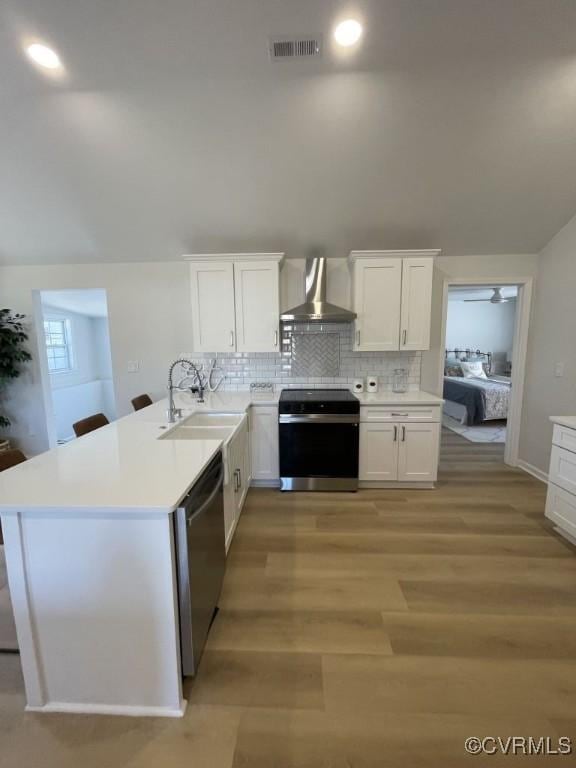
(13, 338)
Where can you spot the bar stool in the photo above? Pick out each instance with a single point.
(142, 401)
(89, 424)
(10, 458)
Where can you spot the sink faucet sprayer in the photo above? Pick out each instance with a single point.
(174, 413)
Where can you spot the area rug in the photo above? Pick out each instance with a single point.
(491, 432)
(8, 641)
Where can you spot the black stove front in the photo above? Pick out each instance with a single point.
(319, 440)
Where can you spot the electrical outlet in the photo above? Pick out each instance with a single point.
(559, 369)
(133, 366)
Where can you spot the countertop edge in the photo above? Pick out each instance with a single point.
(564, 421)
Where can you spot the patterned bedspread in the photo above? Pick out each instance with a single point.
(484, 399)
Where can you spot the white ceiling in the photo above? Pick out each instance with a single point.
(466, 292)
(452, 126)
(91, 302)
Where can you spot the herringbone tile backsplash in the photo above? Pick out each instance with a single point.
(326, 359)
(315, 354)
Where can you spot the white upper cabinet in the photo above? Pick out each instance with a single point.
(257, 292)
(213, 318)
(416, 303)
(235, 302)
(392, 297)
(376, 289)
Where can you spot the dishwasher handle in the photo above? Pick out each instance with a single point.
(209, 500)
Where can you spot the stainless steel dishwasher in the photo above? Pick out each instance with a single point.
(201, 557)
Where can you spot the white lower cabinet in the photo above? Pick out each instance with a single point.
(561, 497)
(401, 452)
(264, 443)
(378, 452)
(237, 480)
(418, 452)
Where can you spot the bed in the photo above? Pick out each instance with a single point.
(474, 400)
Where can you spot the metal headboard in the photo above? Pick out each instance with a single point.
(467, 353)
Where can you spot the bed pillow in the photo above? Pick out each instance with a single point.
(473, 370)
(453, 369)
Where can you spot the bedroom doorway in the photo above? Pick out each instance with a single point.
(485, 331)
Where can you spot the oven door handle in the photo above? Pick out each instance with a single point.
(320, 418)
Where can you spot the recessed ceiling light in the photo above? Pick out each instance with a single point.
(348, 32)
(44, 56)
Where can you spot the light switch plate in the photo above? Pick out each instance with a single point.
(133, 366)
(559, 369)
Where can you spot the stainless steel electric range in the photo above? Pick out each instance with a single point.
(319, 437)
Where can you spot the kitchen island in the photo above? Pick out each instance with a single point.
(89, 551)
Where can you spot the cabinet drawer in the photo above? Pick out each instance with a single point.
(561, 508)
(564, 437)
(397, 413)
(563, 468)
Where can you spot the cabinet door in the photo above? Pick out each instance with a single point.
(212, 289)
(256, 287)
(230, 495)
(243, 466)
(418, 452)
(264, 442)
(377, 288)
(416, 304)
(378, 451)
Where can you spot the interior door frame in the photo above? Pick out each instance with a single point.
(519, 349)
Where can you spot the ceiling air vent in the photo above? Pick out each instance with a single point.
(294, 48)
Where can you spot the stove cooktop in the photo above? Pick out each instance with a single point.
(318, 401)
(316, 395)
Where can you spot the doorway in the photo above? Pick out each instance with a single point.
(483, 356)
(75, 359)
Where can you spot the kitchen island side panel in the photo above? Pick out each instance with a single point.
(95, 607)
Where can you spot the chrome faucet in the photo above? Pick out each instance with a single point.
(174, 413)
(199, 381)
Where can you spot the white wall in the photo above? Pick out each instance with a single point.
(87, 388)
(551, 341)
(488, 269)
(150, 322)
(85, 363)
(482, 325)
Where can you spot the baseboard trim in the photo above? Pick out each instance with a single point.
(532, 470)
(395, 484)
(565, 535)
(110, 709)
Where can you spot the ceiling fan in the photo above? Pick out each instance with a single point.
(496, 297)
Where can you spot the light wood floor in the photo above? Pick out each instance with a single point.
(360, 631)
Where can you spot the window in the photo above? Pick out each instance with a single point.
(58, 347)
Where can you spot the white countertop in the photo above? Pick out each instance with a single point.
(403, 398)
(124, 467)
(564, 421)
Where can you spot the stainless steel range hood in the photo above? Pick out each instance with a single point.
(316, 309)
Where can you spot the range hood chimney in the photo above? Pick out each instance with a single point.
(316, 309)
